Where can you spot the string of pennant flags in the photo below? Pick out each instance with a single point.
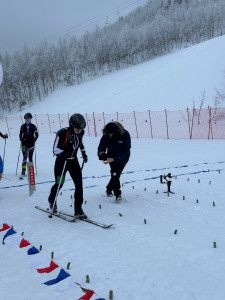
(42, 258)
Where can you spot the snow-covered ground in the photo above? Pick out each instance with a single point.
(134, 259)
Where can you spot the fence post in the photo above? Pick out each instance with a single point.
(135, 121)
(59, 120)
(94, 124)
(103, 114)
(49, 124)
(36, 120)
(117, 117)
(192, 123)
(87, 124)
(189, 123)
(210, 123)
(149, 112)
(167, 125)
(7, 126)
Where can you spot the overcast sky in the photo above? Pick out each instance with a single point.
(30, 21)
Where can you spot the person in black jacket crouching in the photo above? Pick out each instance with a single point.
(114, 149)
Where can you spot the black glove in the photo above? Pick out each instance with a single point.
(5, 136)
(102, 156)
(85, 157)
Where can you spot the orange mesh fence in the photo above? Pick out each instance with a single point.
(207, 123)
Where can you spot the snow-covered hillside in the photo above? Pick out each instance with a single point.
(178, 253)
(170, 82)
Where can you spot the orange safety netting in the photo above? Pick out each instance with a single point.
(206, 123)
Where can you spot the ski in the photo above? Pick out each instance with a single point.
(105, 226)
(63, 217)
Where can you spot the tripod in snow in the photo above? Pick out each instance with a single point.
(167, 179)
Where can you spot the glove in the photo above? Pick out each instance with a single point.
(5, 136)
(85, 157)
(102, 156)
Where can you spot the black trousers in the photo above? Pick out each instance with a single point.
(27, 151)
(73, 167)
(114, 183)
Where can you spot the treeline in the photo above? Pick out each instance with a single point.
(149, 31)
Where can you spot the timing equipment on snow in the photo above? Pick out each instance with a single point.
(28, 116)
(167, 179)
(77, 121)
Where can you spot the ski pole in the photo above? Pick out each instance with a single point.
(35, 159)
(4, 152)
(56, 196)
(82, 165)
(18, 159)
(81, 170)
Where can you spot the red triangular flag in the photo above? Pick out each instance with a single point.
(49, 269)
(87, 296)
(5, 227)
(24, 243)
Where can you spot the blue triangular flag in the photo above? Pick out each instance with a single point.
(32, 251)
(62, 275)
(8, 233)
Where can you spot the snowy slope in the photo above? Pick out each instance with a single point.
(170, 82)
(135, 260)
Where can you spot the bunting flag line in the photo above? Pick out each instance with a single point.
(62, 275)
(5, 227)
(49, 269)
(8, 233)
(87, 296)
(41, 258)
(24, 243)
(15, 240)
(32, 251)
(71, 285)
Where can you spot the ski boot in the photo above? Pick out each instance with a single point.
(79, 213)
(109, 193)
(54, 211)
(118, 198)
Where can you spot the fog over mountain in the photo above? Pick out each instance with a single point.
(28, 22)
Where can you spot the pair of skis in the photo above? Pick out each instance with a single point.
(71, 218)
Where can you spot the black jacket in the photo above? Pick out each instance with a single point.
(67, 142)
(28, 133)
(116, 147)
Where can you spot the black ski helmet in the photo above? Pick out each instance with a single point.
(28, 116)
(77, 121)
